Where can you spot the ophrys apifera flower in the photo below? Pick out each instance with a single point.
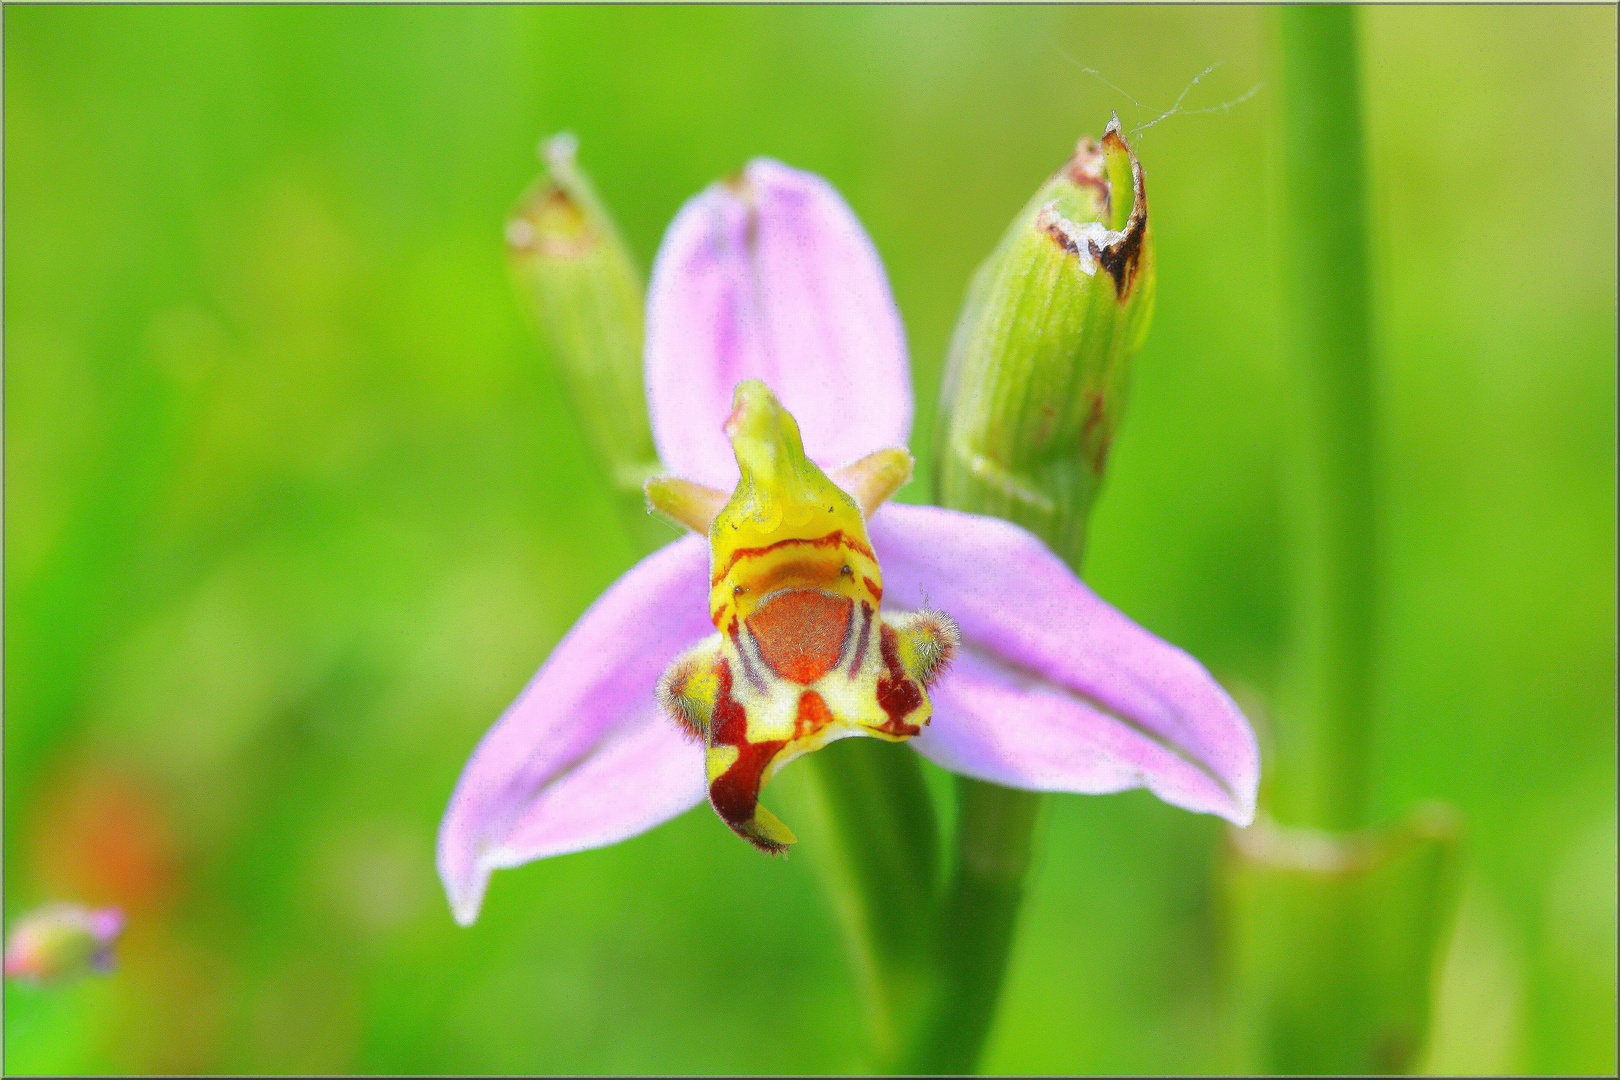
(725, 654)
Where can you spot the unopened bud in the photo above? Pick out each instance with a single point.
(62, 941)
(1327, 998)
(577, 279)
(1036, 379)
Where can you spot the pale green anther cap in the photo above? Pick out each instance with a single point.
(1036, 379)
(781, 493)
(576, 277)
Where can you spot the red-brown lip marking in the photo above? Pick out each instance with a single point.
(874, 588)
(801, 633)
(860, 640)
(832, 539)
(734, 794)
(813, 715)
(748, 665)
(897, 694)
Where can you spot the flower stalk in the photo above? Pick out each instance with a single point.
(977, 919)
(1323, 750)
(877, 848)
(1333, 927)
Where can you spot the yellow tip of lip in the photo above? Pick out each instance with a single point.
(770, 828)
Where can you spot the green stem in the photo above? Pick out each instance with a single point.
(1321, 775)
(974, 934)
(1332, 927)
(877, 843)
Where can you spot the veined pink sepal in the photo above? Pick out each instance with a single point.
(1055, 690)
(770, 276)
(584, 757)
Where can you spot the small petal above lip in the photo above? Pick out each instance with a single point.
(771, 277)
(583, 758)
(1056, 690)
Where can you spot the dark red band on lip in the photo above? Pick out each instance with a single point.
(897, 694)
(874, 588)
(860, 641)
(742, 655)
(832, 539)
(813, 715)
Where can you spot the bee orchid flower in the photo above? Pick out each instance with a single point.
(804, 606)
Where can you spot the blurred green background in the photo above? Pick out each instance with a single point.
(294, 506)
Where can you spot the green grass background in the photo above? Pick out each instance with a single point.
(294, 505)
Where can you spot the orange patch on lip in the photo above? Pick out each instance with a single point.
(813, 715)
(801, 633)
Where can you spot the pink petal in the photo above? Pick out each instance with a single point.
(1056, 690)
(106, 924)
(772, 278)
(584, 757)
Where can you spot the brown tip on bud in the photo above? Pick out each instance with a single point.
(1086, 169)
(1091, 242)
(1114, 140)
(550, 222)
(1123, 259)
(553, 218)
(1061, 231)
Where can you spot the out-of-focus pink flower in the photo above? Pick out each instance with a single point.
(62, 941)
(771, 277)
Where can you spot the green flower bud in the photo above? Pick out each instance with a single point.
(578, 281)
(1348, 987)
(1036, 378)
